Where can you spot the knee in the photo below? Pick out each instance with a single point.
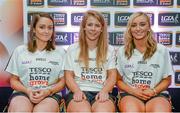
(131, 108)
(15, 107)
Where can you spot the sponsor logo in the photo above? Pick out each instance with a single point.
(142, 79)
(101, 2)
(151, 17)
(129, 66)
(76, 18)
(177, 77)
(59, 2)
(54, 62)
(142, 62)
(166, 2)
(122, 2)
(60, 19)
(116, 38)
(121, 19)
(164, 38)
(106, 17)
(169, 19)
(175, 58)
(75, 37)
(79, 2)
(155, 65)
(145, 2)
(67, 2)
(63, 38)
(92, 74)
(35, 2)
(26, 62)
(178, 39)
(40, 59)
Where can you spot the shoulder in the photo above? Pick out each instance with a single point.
(161, 48)
(121, 50)
(59, 50)
(73, 47)
(21, 48)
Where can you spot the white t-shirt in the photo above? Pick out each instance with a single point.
(144, 74)
(39, 70)
(93, 78)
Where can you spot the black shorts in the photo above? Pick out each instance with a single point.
(18, 93)
(164, 95)
(90, 95)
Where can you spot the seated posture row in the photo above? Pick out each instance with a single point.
(90, 68)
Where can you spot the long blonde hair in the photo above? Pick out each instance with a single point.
(101, 44)
(32, 42)
(151, 44)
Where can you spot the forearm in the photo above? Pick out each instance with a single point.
(58, 86)
(110, 81)
(70, 82)
(163, 85)
(17, 85)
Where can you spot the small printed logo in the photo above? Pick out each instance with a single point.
(178, 39)
(106, 17)
(40, 59)
(155, 65)
(164, 38)
(121, 18)
(101, 2)
(76, 18)
(67, 2)
(63, 38)
(175, 58)
(27, 62)
(129, 66)
(116, 38)
(169, 19)
(54, 62)
(145, 2)
(60, 19)
(142, 62)
(177, 77)
(35, 2)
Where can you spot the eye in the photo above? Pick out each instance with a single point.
(142, 24)
(50, 27)
(133, 25)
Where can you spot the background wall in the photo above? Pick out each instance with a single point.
(164, 14)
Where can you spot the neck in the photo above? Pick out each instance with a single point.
(140, 45)
(92, 44)
(40, 45)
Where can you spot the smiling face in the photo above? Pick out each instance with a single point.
(43, 29)
(139, 28)
(93, 29)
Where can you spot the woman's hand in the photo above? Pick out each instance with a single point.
(102, 96)
(38, 95)
(79, 96)
(149, 92)
(140, 94)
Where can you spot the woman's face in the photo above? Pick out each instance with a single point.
(44, 29)
(139, 28)
(93, 29)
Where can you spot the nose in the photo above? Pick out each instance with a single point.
(138, 27)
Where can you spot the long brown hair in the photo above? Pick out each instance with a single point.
(102, 43)
(32, 42)
(151, 43)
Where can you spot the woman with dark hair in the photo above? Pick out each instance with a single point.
(145, 69)
(37, 70)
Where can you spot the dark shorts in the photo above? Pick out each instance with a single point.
(54, 96)
(164, 95)
(89, 95)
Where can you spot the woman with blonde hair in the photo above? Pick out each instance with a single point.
(144, 68)
(90, 70)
